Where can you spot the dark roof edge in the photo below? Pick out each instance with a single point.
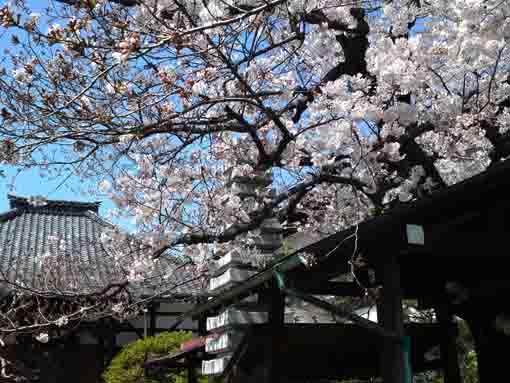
(9, 215)
(456, 196)
(473, 193)
(17, 202)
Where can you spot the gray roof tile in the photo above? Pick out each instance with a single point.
(83, 264)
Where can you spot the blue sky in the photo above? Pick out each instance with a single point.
(30, 183)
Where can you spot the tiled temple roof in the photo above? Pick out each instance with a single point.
(30, 233)
(16, 202)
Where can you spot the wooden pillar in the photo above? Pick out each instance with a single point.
(192, 371)
(491, 347)
(98, 333)
(275, 300)
(390, 316)
(51, 365)
(152, 318)
(449, 355)
(202, 325)
(276, 320)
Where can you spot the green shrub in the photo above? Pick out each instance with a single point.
(127, 366)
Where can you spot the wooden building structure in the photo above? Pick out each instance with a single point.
(26, 234)
(447, 251)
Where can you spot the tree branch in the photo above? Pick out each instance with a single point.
(266, 212)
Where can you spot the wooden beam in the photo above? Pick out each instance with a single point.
(156, 330)
(168, 314)
(284, 264)
(168, 365)
(176, 359)
(362, 322)
(341, 289)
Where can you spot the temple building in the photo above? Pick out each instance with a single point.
(54, 267)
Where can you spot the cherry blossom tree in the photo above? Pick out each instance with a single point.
(203, 119)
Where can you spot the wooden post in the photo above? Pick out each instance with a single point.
(449, 356)
(276, 320)
(110, 340)
(98, 333)
(390, 316)
(192, 372)
(201, 325)
(152, 318)
(490, 345)
(275, 300)
(50, 368)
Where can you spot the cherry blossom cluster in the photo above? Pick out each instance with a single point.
(348, 108)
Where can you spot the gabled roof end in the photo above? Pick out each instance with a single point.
(16, 202)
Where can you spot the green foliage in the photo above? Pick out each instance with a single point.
(127, 366)
(468, 360)
(470, 368)
(376, 211)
